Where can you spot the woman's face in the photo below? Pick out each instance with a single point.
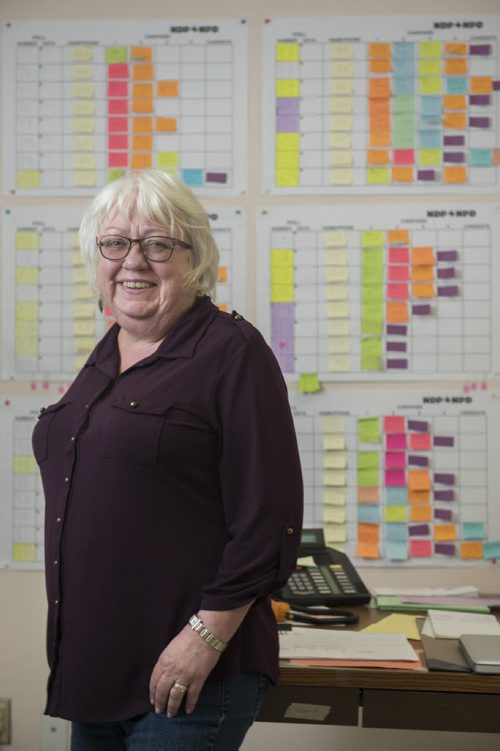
(145, 297)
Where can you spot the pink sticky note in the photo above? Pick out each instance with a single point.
(399, 255)
(420, 548)
(118, 159)
(117, 106)
(395, 459)
(394, 424)
(398, 273)
(118, 88)
(117, 142)
(117, 70)
(420, 441)
(117, 125)
(395, 477)
(404, 156)
(395, 440)
(397, 292)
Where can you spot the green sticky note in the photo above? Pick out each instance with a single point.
(115, 174)
(309, 383)
(368, 459)
(372, 319)
(116, 54)
(368, 478)
(371, 353)
(372, 238)
(368, 430)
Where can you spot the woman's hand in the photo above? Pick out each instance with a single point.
(187, 660)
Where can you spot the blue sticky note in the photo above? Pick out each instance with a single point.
(369, 513)
(473, 531)
(396, 532)
(431, 106)
(481, 157)
(430, 139)
(456, 85)
(402, 85)
(396, 496)
(491, 549)
(403, 51)
(193, 177)
(396, 551)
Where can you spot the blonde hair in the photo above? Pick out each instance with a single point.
(163, 199)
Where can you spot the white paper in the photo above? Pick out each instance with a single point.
(427, 591)
(311, 643)
(451, 625)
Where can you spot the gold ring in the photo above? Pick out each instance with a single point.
(180, 687)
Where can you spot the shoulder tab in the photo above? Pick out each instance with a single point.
(236, 316)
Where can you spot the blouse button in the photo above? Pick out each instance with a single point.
(290, 530)
(72, 437)
(58, 520)
(134, 404)
(66, 479)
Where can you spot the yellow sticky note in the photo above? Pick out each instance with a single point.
(24, 465)
(339, 158)
(82, 72)
(287, 178)
(339, 363)
(84, 328)
(337, 292)
(83, 107)
(84, 344)
(342, 69)
(82, 292)
(168, 159)
(26, 311)
(83, 143)
(287, 160)
(334, 496)
(429, 67)
(333, 442)
(27, 240)
(337, 310)
(83, 125)
(396, 623)
(337, 274)
(334, 514)
(84, 178)
(341, 177)
(26, 275)
(79, 361)
(287, 87)
(83, 310)
(84, 161)
(341, 122)
(287, 52)
(337, 257)
(26, 346)
(430, 49)
(341, 51)
(287, 141)
(334, 534)
(378, 176)
(430, 85)
(24, 551)
(429, 156)
(79, 275)
(338, 327)
(341, 86)
(81, 53)
(83, 90)
(334, 460)
(335, 238)
(309, 383)
(333, 424)
(338, 345)
(334, 477)
(28, 178)
(339, 140)
(340, 104)
(395, 513)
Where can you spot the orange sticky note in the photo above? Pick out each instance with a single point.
(422, 256)
(421, 513)
(419, 496)
(142, 124)
(394, 424)
(142, 91)
(167, 88)
(470, 550)
(402, 174)
(456, 67)
(368, 532)
(380, 88)
(368, 495)
(379, 49)
(142, 105)
(455, 175)
(142, 143)
(481, 84)
(420, 441)
(419, 479)
(380, 138)
(422, 273)
(380, 66)
(455, 48)
(141, 161)
(396, 312)
(423, 290)
(398, 237)
(445, 532)
(455, 120)
(143, 72)
(141, 54)
(379, 156)
(222, 275)
(166, 124)
(367, 549)
(455, 102)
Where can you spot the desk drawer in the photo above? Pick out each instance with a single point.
(431, 710)
(311, 705)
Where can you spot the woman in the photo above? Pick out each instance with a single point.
(173, 492)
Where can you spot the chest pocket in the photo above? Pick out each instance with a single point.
(42, 430)
(132, 430)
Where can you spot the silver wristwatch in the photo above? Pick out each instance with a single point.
(197, 625)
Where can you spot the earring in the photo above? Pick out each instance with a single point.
(100, 304)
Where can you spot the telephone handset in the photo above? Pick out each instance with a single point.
(332, 581)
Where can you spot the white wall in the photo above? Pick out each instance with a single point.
(23, 670)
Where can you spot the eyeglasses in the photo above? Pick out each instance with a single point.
(155, 248)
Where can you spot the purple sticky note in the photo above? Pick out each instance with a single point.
(443, 440)
(444, 514)
(444, 548)
(395, 329)
(287, 124)
(480, 100)
(454, 141)
(449, 291)
(397, 364)
(216, 177)
(418, 461)
(479, 122)
(454, 157)
(418, 529)
(444, 478)
(426, 175)
(496, 85)
(480, 49)
(446, 273)
(288, 105)
(421, 310)
(395, 346)
(420, 425)
(447, 255)
(444, 495)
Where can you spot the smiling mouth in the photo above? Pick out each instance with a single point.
(137, 285)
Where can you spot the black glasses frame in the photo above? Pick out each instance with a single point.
(131, 240)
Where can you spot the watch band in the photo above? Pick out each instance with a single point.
(197, 625)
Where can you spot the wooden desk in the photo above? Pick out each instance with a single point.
(380, 698)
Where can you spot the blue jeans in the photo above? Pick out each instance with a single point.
(220, 721)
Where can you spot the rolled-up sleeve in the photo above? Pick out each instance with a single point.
(260, 479)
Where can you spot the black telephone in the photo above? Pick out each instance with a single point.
(332, 581)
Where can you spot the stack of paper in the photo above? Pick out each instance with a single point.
(444, 625)
(411, 603)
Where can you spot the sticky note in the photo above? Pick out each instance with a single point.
(141, 54)
(309, 383)
(141, 161)
(142, 124)
(422, 255)
(418, 479)
(143, 143)
(81, 54)
(368, 430)
(471, 550)
(27, 275)
(287, 87)
(116, 54)
(371, 353)
(27, 240)
(368, 494)
(24, 551)
(166, 124)
(333, 442)
(445, 532)
(27, 178)
(142, 72)
(421, 513)
(481, 84)
(491, 549)
(334, 496)
(24, 465)
(454, 175)
(334, 477)
(473, 530)
(420, 548)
